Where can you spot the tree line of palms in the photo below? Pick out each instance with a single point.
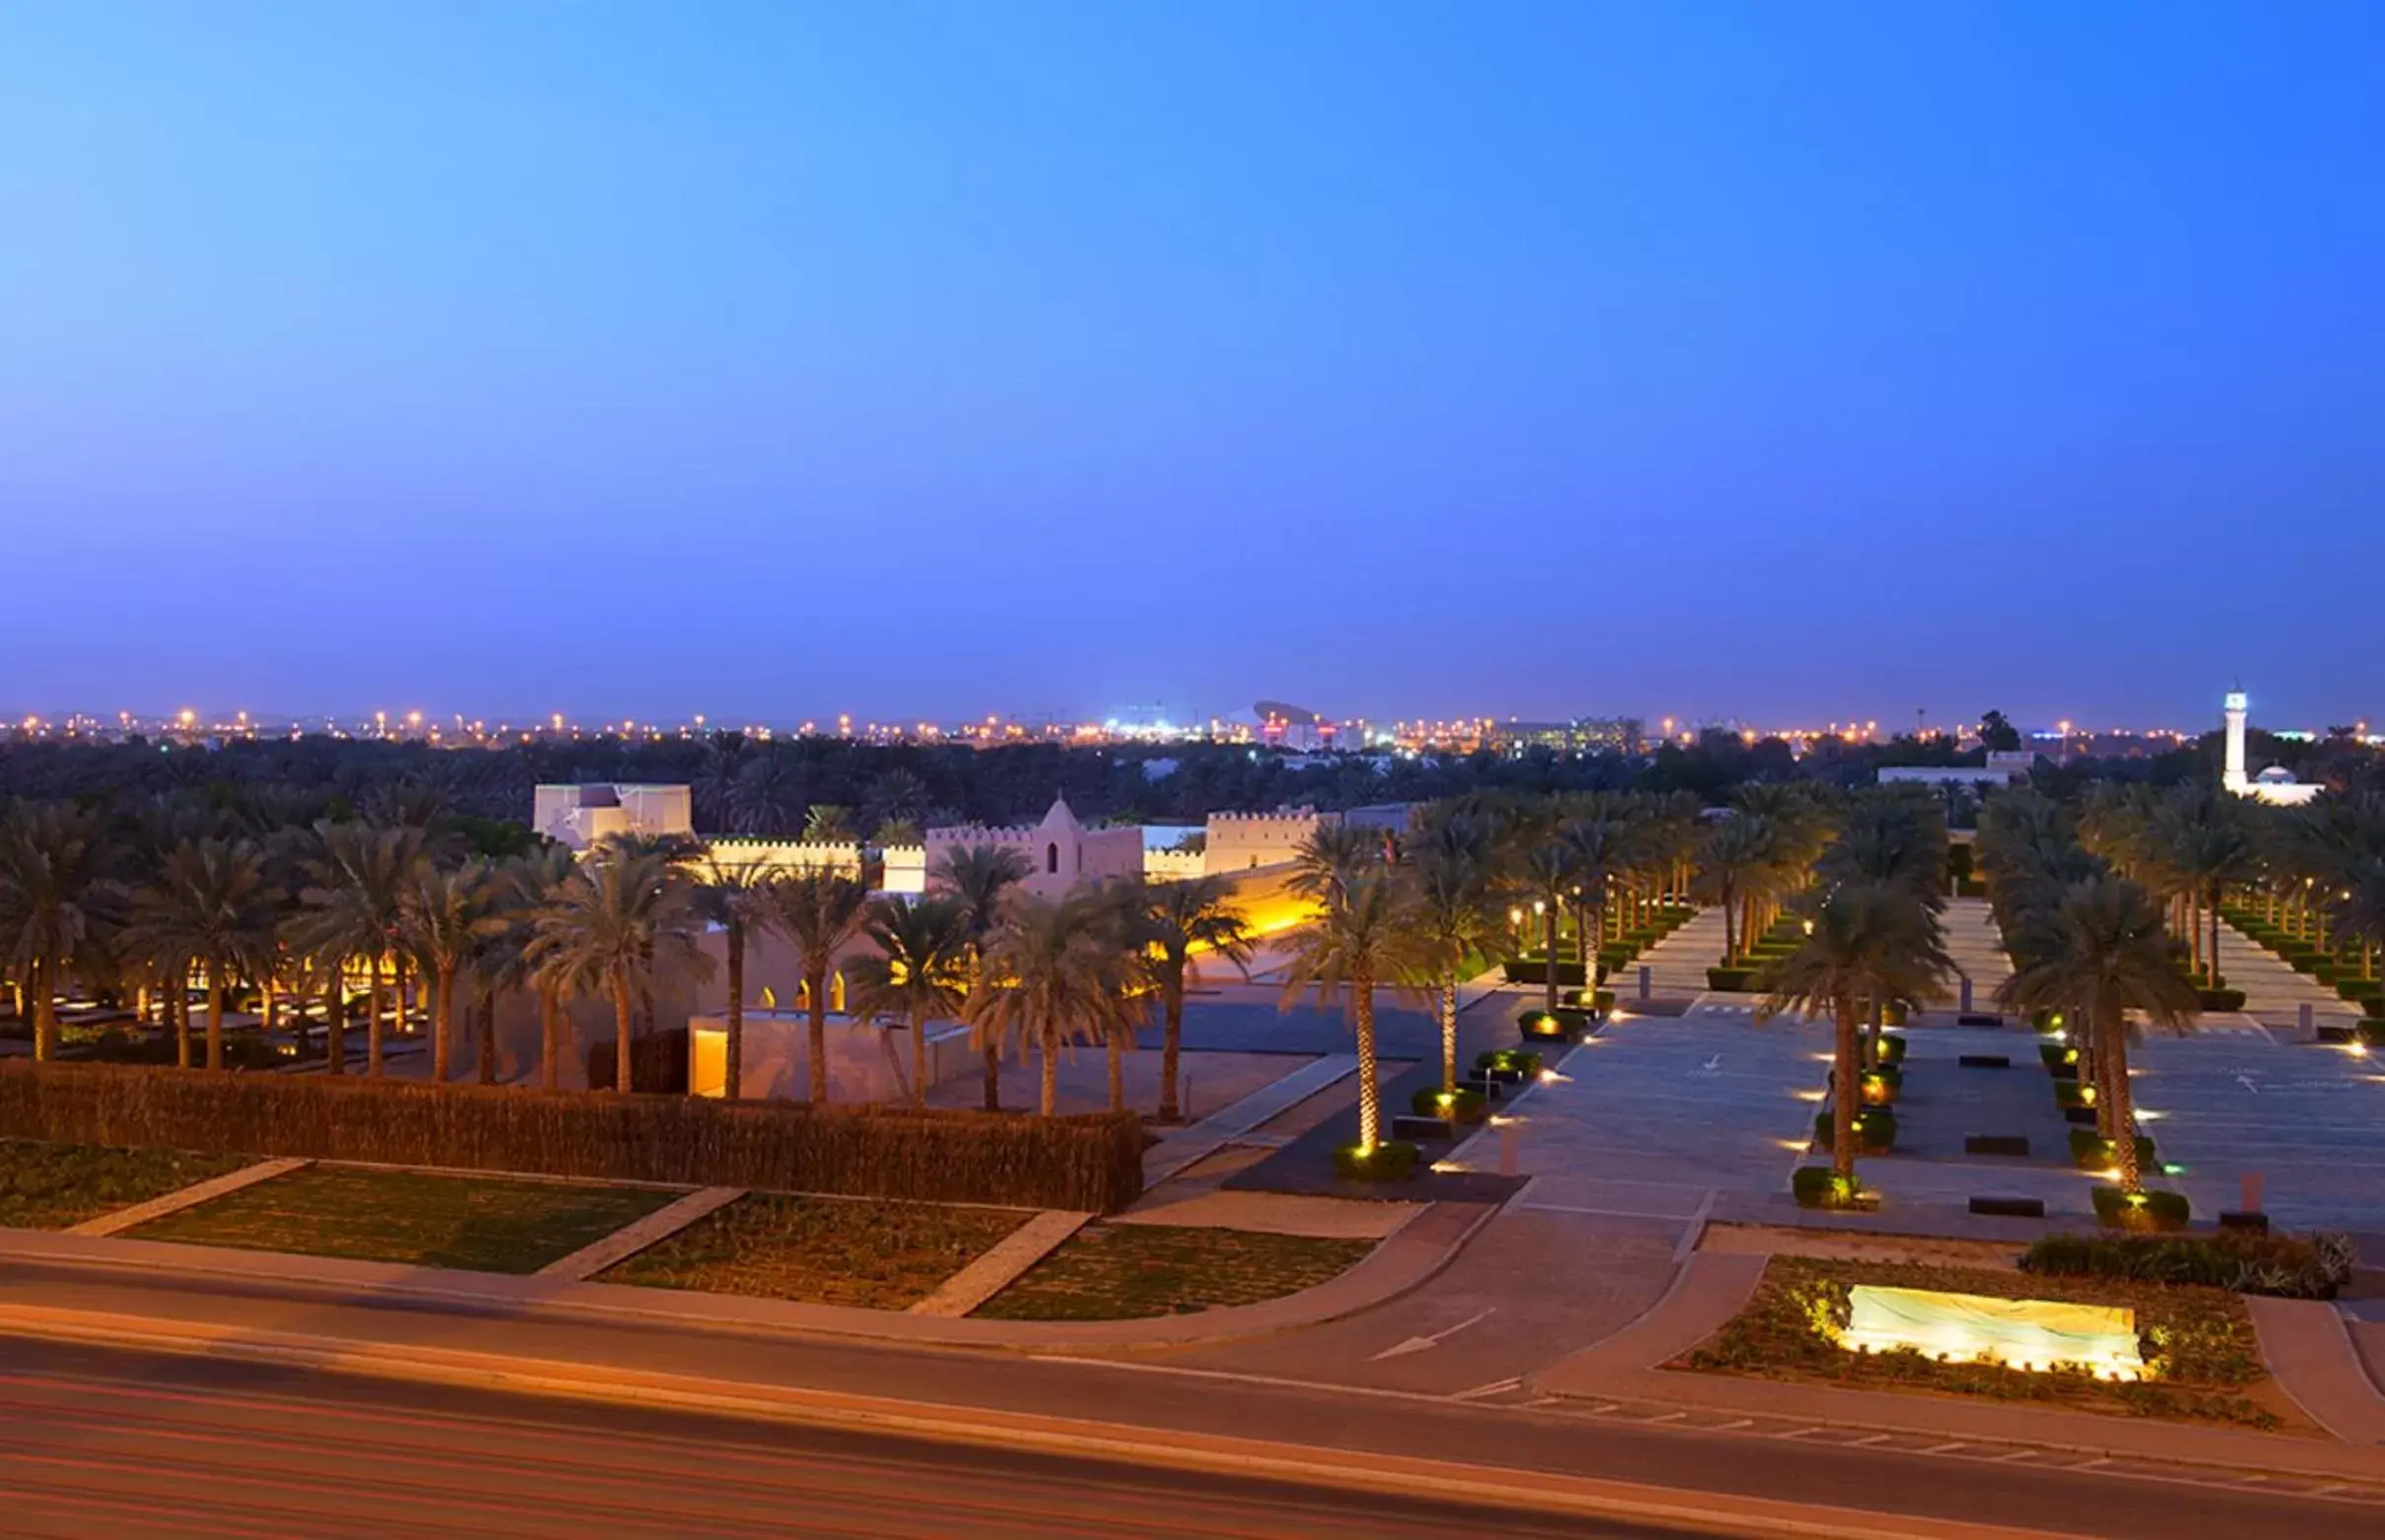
(2316, 872)
(1872, 900)
(2087, 940)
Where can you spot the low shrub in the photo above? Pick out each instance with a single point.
(1597, 1002)
(1736, 980)
(1874, 1129)
(2091, 1151)
(1458, 1106)
(1523, 1060)
(1819, 1187)
(2140, 1211)
(2372, 1005)
(2069, 1093)
(1391, 1161)
(2048, 1021)
(1531, 969)
(2219, 999)
(1891, 1048)
(2355, 990)
(2054, 1053)
(2244, 1261)
(2370, 1032)
(1543, 1026)
(1090, 1163)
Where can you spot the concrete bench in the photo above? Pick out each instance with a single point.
(2009, 1208)
(1985, 1061)
(1408, 1125)
(1996, 1144)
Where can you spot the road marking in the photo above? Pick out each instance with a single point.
(1419, 1344)
(1870, 1439)
(1575, 1208)
(1511, 1383)
(1695, 1230)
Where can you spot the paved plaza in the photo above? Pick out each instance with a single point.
(2308, 1118)
(1977, 947)
(2273, 993)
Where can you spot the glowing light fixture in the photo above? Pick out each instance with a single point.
(2026, 1334)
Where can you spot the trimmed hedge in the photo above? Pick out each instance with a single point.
(2150, 1210)
(2238, 1260)
(1816, 1187)
(1891, 1049)
(1730, 980)
(1458, 1106)
(1534, 970)
(1874, 1129)
(2370, 1032)
(1391, 1161)
(2219, 999)
(2091, 1151)
(1091, 1163)
(1521, 1059)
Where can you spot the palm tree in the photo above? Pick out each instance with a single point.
(1547, 872)
(2106, 953)
(356, 878)
(977, 877)
(531, 884)
(1734, 860)
(1053, 972)
(741, 899)
(2214, 854)
(830, 823)
(441, 918)
(620, 921)
(1330, 858)
(56, 901)
(1867, 944)
(209, 902)
(1454, 904)
(1599, 850)
(820, 912)
(1175, 923)
(919, 975)
(1366, 940)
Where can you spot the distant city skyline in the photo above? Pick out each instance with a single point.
(770, 360)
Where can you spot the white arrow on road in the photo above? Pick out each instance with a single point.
(2247, 1081)
(1419, 1344)
(1711, 1066)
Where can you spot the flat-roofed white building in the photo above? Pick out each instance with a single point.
(580, 815)
(1060, 851)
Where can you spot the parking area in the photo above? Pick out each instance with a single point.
(2308, 1119)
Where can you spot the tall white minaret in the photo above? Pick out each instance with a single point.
(2233, 777)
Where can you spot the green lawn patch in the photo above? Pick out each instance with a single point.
(1129, 1272)
(50, 1186)
(883, 1256)
(2199, 1344)
(487, 1224)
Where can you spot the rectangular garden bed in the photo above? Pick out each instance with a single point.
(487, 1224)
(53, 1186)
(885, 1256)
(1129, 1272)
(2203, 1356)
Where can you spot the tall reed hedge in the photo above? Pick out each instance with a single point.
(1092, 1162)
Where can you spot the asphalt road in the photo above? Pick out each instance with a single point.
(99, 1441)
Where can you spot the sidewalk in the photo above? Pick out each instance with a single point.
(1716, 1286)
(1406, 1258)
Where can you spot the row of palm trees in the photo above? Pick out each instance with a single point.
(2088, 941)
(2316, 871)
(1872, 898)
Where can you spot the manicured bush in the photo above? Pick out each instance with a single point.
(2370, 1032)
(2144, 1211)
(1458, 1106)
(659, 1060)
(1545, 1026)
(2053, 1053)
(2071, 1093)
(1090, 1163)
(2372, 1005)
(2355, 990)
(1891, 1048)
(1883, 1086)
(1730, 980)
(2244, 1261)
(1522, 1060)
(1596, 1002)
(2049, 1021)
(1532, 968)
(1875, 1128)
(1391, 1160)
(1817, 1188)
(2091, 1151)
(2220, 999)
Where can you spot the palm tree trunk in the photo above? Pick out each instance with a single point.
(993, 1076)
(1845, 1089)
(1370, 1094)
(2107, 1034)
(1583, 950)
(181, 1016)
(1548, 972)
(1117, 1070)
(2123, 1129)
(397, 992)
(1730, 935)
(918, 1059)
(1171, 1044)
(732, 1072)
(34, 974)
(214, 1016)
(487, 1046)
(1880, 1022)
(2215, 953)
(816, 987)
(335, 1023)
(372, 1020)
(1051, 1068)
(443, 1024)
(1449, 1035)
(621, 1042)
(549, 1008)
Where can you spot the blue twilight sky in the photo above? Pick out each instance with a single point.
(1786, 360)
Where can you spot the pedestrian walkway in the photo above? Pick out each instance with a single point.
(2273, 992)
(1977, 947)
(1178, 1150)
(1676, 966)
